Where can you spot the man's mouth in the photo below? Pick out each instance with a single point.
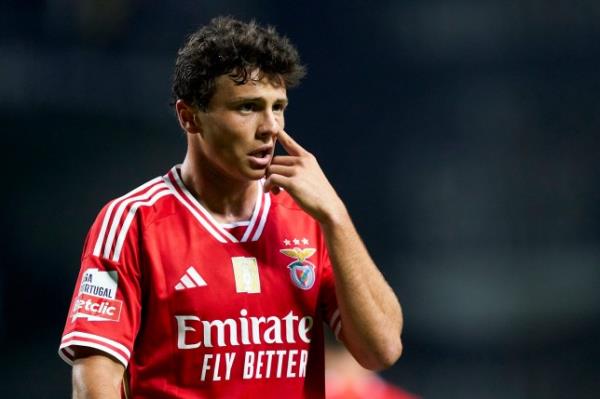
(261, 157)
(260, 153)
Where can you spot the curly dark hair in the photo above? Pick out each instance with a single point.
(229, 46)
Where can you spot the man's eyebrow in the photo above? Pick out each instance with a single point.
(257, 99)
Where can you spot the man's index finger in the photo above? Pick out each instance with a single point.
(289, 144)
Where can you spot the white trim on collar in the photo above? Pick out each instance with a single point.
(216, 229)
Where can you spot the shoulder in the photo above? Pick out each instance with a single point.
(125, 215)
(140, 199)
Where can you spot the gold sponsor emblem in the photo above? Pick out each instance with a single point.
(246, 275)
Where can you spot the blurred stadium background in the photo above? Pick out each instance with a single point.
(463, 135)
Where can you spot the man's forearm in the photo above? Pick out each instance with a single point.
(370, 312)
(369, 309)
(96, 377)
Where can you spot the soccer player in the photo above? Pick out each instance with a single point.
(214, 280)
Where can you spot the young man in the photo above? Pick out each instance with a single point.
(214, 280)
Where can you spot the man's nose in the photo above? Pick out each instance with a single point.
(269, 126)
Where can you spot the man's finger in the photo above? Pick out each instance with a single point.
(289, 144)
(274, 182)
(281, 170)
(286, 160)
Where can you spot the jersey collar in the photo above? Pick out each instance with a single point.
(255, 226)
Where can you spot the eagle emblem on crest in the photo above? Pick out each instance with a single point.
(302, 272)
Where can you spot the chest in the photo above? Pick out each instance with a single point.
(187, 271)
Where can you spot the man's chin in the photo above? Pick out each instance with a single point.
(257, 174)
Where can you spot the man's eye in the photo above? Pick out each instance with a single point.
(248, 107)
(279, 107)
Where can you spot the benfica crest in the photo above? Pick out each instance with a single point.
(302, 272)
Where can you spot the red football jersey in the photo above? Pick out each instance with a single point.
(194, 308)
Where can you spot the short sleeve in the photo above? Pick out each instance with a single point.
(328, 298)
(106, 303)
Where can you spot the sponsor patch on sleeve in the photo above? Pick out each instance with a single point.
(97, 297)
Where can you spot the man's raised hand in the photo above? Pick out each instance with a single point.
(301, 176)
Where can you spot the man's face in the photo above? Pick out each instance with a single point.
(240, 126)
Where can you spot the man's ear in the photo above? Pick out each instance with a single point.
(186, 114)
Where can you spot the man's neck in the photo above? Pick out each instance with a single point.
(228, 200)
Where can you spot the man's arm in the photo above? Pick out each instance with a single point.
(96, 375)
(370, 312)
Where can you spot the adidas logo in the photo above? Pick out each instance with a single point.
(190, 279)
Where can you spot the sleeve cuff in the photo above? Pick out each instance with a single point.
(77, 338)
(335, 323)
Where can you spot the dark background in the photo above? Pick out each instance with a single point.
(463, 136)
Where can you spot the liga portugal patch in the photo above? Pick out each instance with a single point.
(97, 297)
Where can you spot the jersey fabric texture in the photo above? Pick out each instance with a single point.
(194, 308)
